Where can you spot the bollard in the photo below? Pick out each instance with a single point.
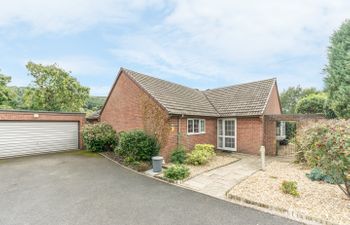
(262, 155)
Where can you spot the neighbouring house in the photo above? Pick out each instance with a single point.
(231, 118)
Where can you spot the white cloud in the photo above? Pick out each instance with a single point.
(79, 65)
(254, 29)
(69, 15)
(237, 41)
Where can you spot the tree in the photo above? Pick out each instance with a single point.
(6, 94)
(337, 71)
(94, 103)
(292, 95)
(314, 103)
(54, 89)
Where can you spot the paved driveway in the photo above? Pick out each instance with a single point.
(73, 188)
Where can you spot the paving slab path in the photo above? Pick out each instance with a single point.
(218, 181)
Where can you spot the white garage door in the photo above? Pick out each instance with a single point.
(25, 138)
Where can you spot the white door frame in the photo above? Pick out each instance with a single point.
(224, 135)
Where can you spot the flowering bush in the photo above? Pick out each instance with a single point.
(326, 145)
(99, 137)
(201, 154)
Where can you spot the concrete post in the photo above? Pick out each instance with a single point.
(262, 155)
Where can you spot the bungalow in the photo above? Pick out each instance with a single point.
(231, 118)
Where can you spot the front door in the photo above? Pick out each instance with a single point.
(227, 134)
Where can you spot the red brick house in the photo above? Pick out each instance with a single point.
(231, 118)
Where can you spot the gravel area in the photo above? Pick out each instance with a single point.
(318, 200)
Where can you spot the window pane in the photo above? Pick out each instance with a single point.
(220, 140)
(190, 126)
(202, 126)
(220, 127)
(196, 126)
(229, 142)
(229, 128)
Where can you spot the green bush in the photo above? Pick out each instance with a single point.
(137, 146)
(99, 137)
(290, 187)
(316, 174)
(177, 172)
(201, 154)
(178, 155)
(326, 145)
(313, 103)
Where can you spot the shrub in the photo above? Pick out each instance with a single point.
(137, 146)
(326, 145)
(313, 103)
(178, 155)
(139, 166)
(99, 137)
(201, 154)
(177, 172)
(316, 174)
(290, 187)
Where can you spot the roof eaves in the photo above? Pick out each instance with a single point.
(110, 91)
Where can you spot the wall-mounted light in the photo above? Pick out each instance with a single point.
(36, 115)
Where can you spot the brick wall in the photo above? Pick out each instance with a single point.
(270, 137)
(44, 116)
(122, 109)
(249, 135)
(273, 104)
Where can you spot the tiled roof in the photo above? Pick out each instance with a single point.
(175, 98)
(238, 100)
(241, 100)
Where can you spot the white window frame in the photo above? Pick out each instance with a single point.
(200, 131)
(224, 135)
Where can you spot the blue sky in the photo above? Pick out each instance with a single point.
(201, 44)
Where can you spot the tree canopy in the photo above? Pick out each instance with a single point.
(54, 89)
(338, 71)
(7, 95)
(314, 103)
(291, 96)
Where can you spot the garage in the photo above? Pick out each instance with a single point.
(28, 133)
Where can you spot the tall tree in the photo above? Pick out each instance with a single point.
(6, 94)
(54, 89)
(291, 96)
(338, 71)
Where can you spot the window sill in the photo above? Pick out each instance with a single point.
(191, 134)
